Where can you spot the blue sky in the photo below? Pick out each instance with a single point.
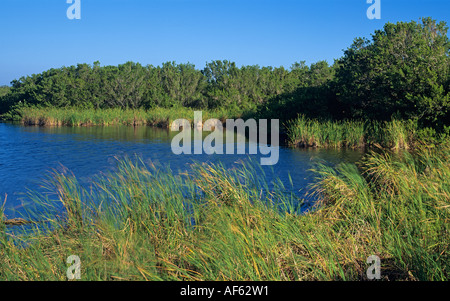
(37, 35)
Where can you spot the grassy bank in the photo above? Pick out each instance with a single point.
(147, 223)
(300, 132)
(395, 134)
(161, 117)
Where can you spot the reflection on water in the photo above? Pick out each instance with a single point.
(28, 153)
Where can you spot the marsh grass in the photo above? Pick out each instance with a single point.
(152, 224)
(160, 117)
(395, 134)
(399, 204)
(2, 217)
(305, 132)
(212, 223)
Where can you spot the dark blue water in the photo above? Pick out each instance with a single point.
(27, 154)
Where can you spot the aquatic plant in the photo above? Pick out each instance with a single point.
(394, 134)
(213, 223)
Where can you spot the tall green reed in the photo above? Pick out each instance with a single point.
(395, 134)
(148, 223)
(161, 117)
(209, 222)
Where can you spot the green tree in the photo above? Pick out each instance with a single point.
(4, 103)
(403, 71)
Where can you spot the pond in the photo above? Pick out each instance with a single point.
(28, 154)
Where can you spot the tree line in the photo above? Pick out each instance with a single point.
(131, 85)
(403, 71)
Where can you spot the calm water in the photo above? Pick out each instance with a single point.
(27, 154)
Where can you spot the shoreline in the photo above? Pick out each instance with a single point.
(301, 132)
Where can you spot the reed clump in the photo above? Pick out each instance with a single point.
(398, 204)
(208, 222)
(394, 134)
(305, 132)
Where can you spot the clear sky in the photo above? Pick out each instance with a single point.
(37, 35)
